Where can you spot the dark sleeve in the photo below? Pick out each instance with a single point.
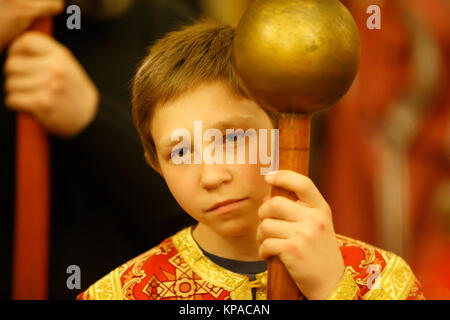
(111, 136)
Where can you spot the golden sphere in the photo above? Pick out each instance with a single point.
(296, 56)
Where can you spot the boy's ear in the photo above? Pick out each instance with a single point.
(152, 163)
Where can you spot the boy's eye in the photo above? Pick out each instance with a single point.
(234, 137)
(180, 152)
(230, 137)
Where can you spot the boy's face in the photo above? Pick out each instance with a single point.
(199, 187)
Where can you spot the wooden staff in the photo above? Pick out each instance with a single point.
(31, 234)
(295, 57)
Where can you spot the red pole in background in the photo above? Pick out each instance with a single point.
(32, 210)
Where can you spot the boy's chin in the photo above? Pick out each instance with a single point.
(236, 229)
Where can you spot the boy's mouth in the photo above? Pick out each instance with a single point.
(225, 203)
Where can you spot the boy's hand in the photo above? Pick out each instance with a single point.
(17, 15)
(301, 233)
(44, 79)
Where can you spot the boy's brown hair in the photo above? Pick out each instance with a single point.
(176, 64)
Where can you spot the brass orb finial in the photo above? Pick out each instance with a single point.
(296, 56)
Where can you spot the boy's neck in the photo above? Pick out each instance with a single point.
(243, 248)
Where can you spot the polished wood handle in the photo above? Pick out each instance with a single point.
(293, 154)
(31, 226)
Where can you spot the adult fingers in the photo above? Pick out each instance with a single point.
(42, 8)
(33, 102)
(20, 65)
(31, 43)
(19, 83)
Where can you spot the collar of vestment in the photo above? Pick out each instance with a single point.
(237, 284)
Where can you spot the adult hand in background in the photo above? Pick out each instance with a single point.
(17, 15)
(44, 79)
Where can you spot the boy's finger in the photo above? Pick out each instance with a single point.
(274, 228)
(301, 185)
(280, 208)
(271, 247)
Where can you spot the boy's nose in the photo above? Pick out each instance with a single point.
(213, 175)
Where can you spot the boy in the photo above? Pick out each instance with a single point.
(188, 77)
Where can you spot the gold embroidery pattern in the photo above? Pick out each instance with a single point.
(196, 274)
(346, 241)
(238, 285)
(395, 281)
(346, 289)
(416, 292)
(110, 288)
(137, 273)
(261, 292)
(371, 258)
(369, 250)
(107, 288)
(364, 280)
(184, 284)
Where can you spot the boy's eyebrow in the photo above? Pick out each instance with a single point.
(222, 125)
(232, 122)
